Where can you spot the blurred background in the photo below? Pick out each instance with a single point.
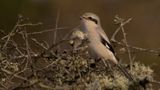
(143, 31)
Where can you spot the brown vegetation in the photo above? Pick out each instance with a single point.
(22, 67)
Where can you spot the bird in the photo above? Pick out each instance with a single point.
(99, 46)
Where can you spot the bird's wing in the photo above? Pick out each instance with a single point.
(102, 34)
(107, 44)
(104, 39)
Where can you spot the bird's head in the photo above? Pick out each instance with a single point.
(90, 19)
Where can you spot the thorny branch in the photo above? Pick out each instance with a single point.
(119, 28)
(155, 52)
(121, 23)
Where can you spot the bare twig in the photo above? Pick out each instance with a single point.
(10, 34)
(121, 23)
(119, 28)
(46, 44)
(24, 69)
(38, 43)
(25, 37)
(130, 46)
(46, 31)
(49, 65)
(64, 39)
(52, 46)
(138, 48)
(56, 26)
(44, 52)
(17, 48)
(16, 26)
(127, 46)
(25, 56)
(30, 24)
(15, 75)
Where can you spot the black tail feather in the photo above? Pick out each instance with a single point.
(125, 72)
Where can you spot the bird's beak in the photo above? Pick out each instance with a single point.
(82, 17)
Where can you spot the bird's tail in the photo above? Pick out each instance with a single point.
(125, 72)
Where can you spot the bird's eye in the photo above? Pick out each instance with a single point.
(92, 19)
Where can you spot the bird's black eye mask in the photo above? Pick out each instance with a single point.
(92, 19)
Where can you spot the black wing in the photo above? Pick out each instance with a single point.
(107, 44)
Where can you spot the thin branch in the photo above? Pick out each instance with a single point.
(25, 37)
(127, 46)
(44, 52)
(17, 48)
(10, 34)
(25, 56)
(64, 39)
(24, 69)
(30, 24)
(46, 44)
(119, 28)
(121, 23)
(19, 25)
(15, 75)
(56, 26)
(38, 43)
(46, 31)
(138, 48)
(49, 65)
(52, 46)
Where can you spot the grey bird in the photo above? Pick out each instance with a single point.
(99, 45)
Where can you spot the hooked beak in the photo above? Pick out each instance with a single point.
(82, 17)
